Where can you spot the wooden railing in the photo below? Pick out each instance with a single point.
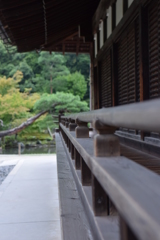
(113, 179)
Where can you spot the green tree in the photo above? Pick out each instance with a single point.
(14, 105)
(31, 59)
(27, 81)
(80, 63)
(66, 101)
(53, 67)
(76, 84)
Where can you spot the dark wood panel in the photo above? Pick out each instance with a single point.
(128, 66)
(106, 81)
(154, 49)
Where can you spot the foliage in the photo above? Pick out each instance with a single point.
(14, 105)
(10, 83)
(43, 72)
(53, 66)
(76, 84)
(80, 63)
(66, 101)
(28, 77)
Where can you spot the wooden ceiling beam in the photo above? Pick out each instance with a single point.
(86, 31)
(77, 48)
(70, 50)
(20, 14)
(25, 22)
(100, 13)
(63, 48)
(62, 40)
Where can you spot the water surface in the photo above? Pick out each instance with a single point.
(33, 150)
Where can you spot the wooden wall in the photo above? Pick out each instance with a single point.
(127, 64)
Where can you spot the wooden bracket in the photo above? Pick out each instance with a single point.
(72, 125)
(106, 144)
(82, 131)
(66, 123)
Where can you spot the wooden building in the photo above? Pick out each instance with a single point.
(126, 40)
(114, 174)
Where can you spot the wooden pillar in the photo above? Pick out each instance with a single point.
(96, 89)
(91, 77)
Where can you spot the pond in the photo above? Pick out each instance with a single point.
(32, 150)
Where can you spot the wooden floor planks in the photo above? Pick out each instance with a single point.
(144, 159)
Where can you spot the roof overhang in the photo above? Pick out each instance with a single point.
(48, 24)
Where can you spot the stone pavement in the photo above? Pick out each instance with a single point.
(29, 201)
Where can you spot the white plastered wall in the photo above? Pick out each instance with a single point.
(109, 22)
(130, 2)
(119, 11)
(95, 44)
(101, 34)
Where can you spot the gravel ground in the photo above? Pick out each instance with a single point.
(4, 171)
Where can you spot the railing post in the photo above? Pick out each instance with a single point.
(60, 117)
(77, 159)
(72, 151)
(86, 176)
(100, 199)
(106, 144)
(126, 233)
(69, 145)
(66, 123)
(72, 125)
(82, 131)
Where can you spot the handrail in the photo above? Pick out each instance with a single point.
(133, 189)
(143, 116)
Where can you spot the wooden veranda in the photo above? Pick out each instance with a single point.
(108, 172)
